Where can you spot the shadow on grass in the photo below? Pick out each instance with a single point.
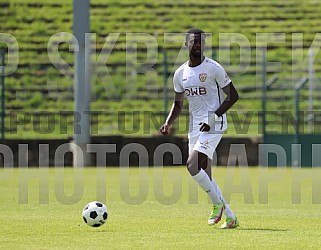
(264, 229)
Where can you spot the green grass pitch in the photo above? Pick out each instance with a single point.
(158, 208)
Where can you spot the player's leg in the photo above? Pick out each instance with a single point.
(207, 143)
(195, 165)
(227, 210)
(231, 220)
(208, 169)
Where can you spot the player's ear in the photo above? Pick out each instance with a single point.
(185, 44)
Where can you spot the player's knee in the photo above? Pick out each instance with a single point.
(196, 162)
(192, 166)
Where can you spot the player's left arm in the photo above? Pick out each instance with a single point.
(231, 97)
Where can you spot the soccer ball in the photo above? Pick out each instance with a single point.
(95, 214)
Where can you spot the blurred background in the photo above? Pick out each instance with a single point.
(270, 49)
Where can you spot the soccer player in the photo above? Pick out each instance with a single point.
(210, 93)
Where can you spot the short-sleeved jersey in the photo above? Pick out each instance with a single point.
(203, 88)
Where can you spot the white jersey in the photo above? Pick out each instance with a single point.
(203, 88)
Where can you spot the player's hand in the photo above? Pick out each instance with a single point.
(210, 121)
(204, 127)
(165, 129)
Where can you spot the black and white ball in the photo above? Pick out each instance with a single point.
(95, 214)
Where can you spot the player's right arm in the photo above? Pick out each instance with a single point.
(174, 113)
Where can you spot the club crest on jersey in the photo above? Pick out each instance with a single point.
(205, 145)
(202, 77)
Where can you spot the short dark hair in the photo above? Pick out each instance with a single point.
(194, 31)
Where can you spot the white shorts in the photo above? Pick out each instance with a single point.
(205, 143)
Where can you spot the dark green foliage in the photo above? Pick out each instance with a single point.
(43, 81)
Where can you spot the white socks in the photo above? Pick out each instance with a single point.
(227, 211)
(213, 191)
(206, 184)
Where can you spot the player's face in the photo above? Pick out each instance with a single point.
(195, 45)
